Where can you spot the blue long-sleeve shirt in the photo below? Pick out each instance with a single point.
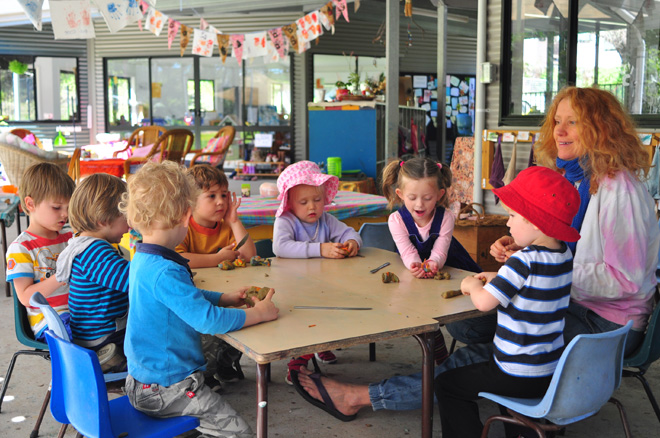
(167, 315)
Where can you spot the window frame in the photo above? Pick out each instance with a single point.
(505, 119)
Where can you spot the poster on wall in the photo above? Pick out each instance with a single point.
(460, 97)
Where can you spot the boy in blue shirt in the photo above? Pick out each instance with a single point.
(168, 313)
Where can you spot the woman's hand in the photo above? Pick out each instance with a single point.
(503, 248)
(232, 211)
(332, 250)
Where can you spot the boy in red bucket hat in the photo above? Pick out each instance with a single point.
(531, 293)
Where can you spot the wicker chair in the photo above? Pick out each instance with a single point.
(142, 136)
(22, 133)
(174, 145)
(225, 131)
(15, 161)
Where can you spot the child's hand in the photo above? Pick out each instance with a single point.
(332, 250)
(503, 248)
(417, 270)
(234, 299)
(352, 248)
(432, 267)
(266, 308)
(228, 253)
(469, 284)
(232, 211)
(486, 277)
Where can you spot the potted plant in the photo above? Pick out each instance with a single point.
(342, 90)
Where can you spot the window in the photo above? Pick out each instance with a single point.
(551, 44)
(330, 69)
(119, 96)
(206, 94)
(37, 89)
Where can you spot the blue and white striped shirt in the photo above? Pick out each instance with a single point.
(533, 289)
(98, 291)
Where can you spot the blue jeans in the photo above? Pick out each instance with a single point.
(405, 392)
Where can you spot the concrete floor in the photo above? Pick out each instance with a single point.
(289, 414)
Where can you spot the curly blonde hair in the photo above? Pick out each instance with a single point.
(95, 202)
(607, 135)
(159, 195)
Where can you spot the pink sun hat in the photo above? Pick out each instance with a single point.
(308, 173)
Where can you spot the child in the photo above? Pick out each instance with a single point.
(45, 191)
(97, 275)
(531, 293)
(303, 230)
(420, 228)
(214, 227)
(214, 230)
(168, 313)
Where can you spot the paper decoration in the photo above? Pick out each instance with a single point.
(185, 37)
(203, 43)
(237, 47)
(309, 27)
(291, 32)
(223, 45)
(255, 45)
(327, 17)
(72, 20)
(172, 30)
(155, 21)
(277, 41)
(118, 13)
(213, 29)
(340, 9)
(203, 24)
(32, 9)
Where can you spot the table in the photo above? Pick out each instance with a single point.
(113, 166)
(411, 307)
(8, 213)
(258, 213)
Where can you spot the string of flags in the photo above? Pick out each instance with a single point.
(72, 19)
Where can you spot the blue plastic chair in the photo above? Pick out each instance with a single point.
(25, 336)
(80, 399)
(377, 235)
(645, 355)
(264, 248)
(580, 385)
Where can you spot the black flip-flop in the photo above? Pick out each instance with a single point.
(328, 406)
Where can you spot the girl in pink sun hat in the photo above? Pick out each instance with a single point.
(303, 229)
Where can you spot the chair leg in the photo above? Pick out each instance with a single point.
(649, 393)
(62, 431)
(453, 346)
(372, 352)
(10, 369)
(512, 420)
(44, 406)
(624, 418)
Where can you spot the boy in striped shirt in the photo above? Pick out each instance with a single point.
(531, 293)
(96, 273)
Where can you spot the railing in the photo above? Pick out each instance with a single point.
(537, 102)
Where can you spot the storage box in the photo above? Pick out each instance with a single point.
(477, 242)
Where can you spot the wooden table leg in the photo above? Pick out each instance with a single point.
(427, 342)
(262, 400)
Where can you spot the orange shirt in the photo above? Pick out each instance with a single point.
(202, 240)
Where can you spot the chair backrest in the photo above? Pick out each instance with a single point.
(77, 383)
(174, 145)
(22, 133)
(587, 374)
(649, 351)
(377, 235)
(53, 320)
(145, 135)
(264, 248)
(22, 325)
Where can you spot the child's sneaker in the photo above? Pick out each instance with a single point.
(111, 358)
(326, 357)
(227, 374)
(294, 364)
(213, 383)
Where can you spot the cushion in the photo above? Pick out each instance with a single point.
(16, 141)
(144, 151)
(214, 145)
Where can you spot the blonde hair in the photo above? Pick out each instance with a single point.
(95, 202)
(416, 168)
(607, 135)
(159, 195)
(45, 181)
(206, 176)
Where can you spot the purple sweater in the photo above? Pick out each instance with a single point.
(294, 239)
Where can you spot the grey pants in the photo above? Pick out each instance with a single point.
(189, 397)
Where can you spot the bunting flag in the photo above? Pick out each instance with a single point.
(223, 46)
(145, 8)
(33, 9)
(237, 47)
(277, 41)
(72, 20)
(203, 24)
(172, 30)
(341, 9)
(185, 37)
(118, 13)
(255, 45)
(291, 32)
(309, 27)
(203, 43)
(213, 29)
(133, 11)
(327, 17)
(155, 21)
(357, 6)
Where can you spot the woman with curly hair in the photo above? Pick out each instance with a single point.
(592, 141)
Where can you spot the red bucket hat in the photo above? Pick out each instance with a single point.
(544, 198)
(308, 173)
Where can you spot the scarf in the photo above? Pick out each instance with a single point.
(575, 173)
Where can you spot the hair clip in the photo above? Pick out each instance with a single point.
(440, 165)
(401, 163)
